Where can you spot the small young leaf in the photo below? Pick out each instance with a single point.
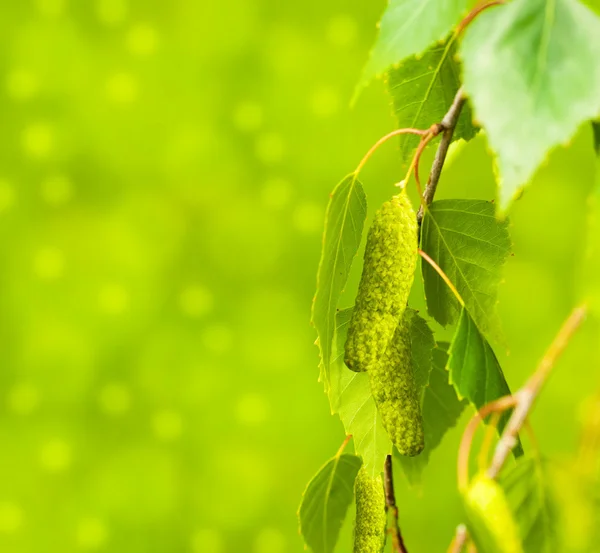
(530, 499)
(470, 245)
(531, 70)
(407, 28)
(344, 221)
(350, 397)
(325, 502)
(441, 411)
(422, 90)
(489, 518)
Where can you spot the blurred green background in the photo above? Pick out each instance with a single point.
(164, 171)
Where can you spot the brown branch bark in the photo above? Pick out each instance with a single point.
(390, 501)
(447, 127)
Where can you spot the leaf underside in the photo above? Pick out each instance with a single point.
(531, 71)
(344, 222)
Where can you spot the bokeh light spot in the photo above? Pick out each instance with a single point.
(252, 410)
(325, 102)
(195, 301)
(38, 140)
(91, 533)
(48, 263)
(168, 425)
(55, 456)
(269, 540)
(21, 84)
(56, 190)
(22, 399)
(122, 88)
(207, 540)
(142, 39)
(276, 193)
(7, 195)
(270, 148)
(11, 518)
(114, 399)
(342, 30)
(248, 116)
(217, 338)
(111, 12)
(308, 218)
(113, 299)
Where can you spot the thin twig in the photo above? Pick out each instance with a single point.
(447, 126)
(530, 391)
(460, 539)
(390, 501)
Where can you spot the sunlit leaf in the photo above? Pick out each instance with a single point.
(344, 222)
(422, 90)
(409, 27)
(470, 245)
(474, 369)
(441, 410)
(531, 70)
(526, 488)
(325, 502)
(350, 397)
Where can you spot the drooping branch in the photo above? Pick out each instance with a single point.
(390, 501)
(522, 401)
(529, 393)
(447, 127)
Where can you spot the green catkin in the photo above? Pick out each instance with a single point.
(371, 518)
(389, 268)
(489, 509)
(395, 392)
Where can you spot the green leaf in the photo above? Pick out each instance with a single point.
(350, 392)
(470, 245)
(596, 131)
(531, 70)
(441, 410)
(526, 489)
(350, 397)
(474, 369)
(409, 27)
(490, 520)
(344, 222)
(422, 90)
(325, 502)
(422, 344)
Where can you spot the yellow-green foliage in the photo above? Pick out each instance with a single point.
(389, 267)
(395, 393)
(371, 518)
(492, 521)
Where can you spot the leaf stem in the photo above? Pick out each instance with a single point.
(384, 139)
(390, 501)
(443, 275)
(474, 13)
